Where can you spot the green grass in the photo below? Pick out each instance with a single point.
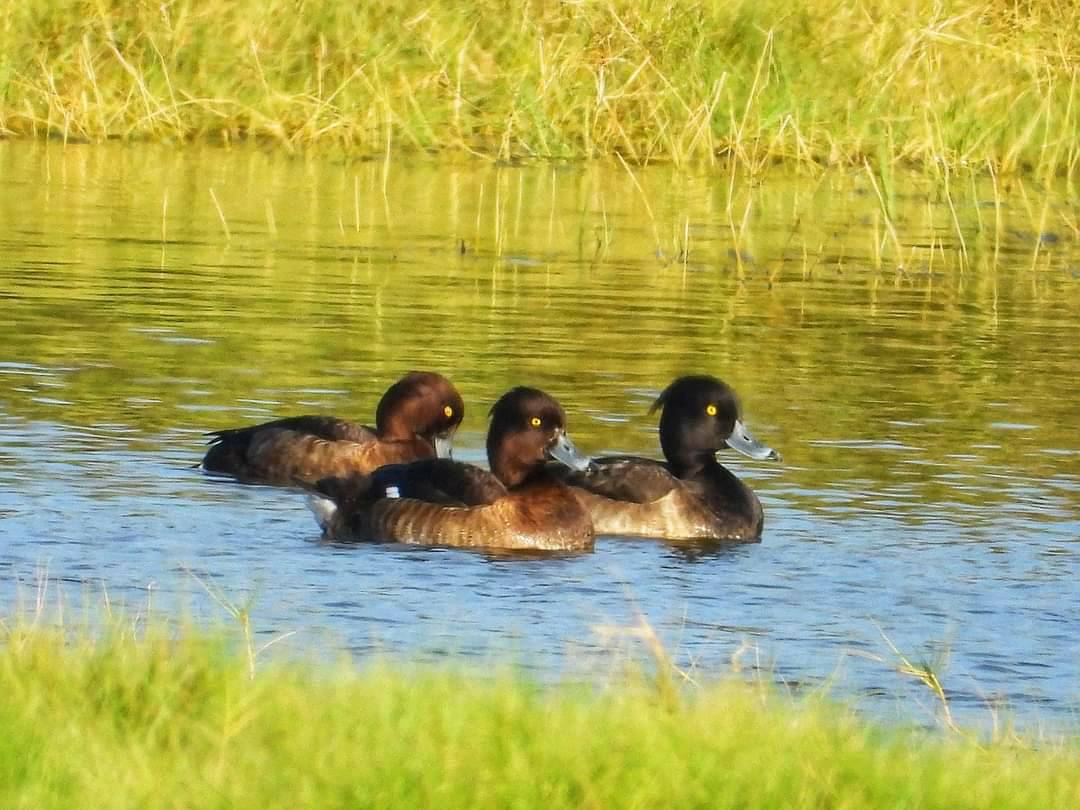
(147, 720)
(930, 82)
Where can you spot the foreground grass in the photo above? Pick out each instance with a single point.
(153, 722)
(924, 81)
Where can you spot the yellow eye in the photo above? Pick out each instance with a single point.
(448, 411)
(710, 410)
(535, 421)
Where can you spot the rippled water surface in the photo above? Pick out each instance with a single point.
(928, 412)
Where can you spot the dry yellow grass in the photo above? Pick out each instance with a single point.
(921, 81)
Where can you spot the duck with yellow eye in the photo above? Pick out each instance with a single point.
(517, 506)
(416, 418)
(691, 496)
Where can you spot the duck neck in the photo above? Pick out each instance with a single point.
(728, 493)
(686, 463)
(510, 468)
(395, 427)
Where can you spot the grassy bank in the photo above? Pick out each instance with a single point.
(923, 81)
(152, 722)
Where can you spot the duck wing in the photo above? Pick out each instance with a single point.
(329, 428)
(623, 478)
(302, 448)
(433, 480)
(439, 480)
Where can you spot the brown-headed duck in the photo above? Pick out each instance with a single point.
(692, 496)
(416, 418)
(517, 506)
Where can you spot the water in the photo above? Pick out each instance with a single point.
(928, 416)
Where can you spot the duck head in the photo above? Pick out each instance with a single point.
(528, 428)
(701, 416)
(424, 404)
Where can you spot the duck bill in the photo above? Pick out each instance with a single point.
(564, 451)
(444, 445)
(743, 441)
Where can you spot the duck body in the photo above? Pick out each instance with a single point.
(418, 414)
(539, 516)
(691, 496)
(517, 506)
(631, 496)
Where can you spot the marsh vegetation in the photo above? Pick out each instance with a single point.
(938, 85)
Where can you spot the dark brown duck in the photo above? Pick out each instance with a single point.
(691, 496)
(518, 505)
(416, 418)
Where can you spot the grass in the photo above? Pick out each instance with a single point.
(929, 82)
(137, 717)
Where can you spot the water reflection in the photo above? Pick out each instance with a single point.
(922, 396)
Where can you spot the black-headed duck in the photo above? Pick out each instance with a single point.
(518, 505)
(416, 418)
(692, 496)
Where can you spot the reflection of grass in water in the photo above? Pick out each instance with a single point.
(788, 286)
(138, 716)
(960, 83)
